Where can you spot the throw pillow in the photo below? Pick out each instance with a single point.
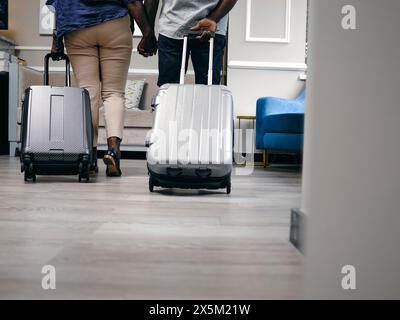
(133, 93)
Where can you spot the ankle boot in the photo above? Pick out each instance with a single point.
(112, 157)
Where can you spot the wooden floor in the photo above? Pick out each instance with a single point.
(112, 239)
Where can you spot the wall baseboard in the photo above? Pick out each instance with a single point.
(258, 65)
(131, 70)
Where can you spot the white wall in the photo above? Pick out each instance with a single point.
(268, 67)
(352, 150)
(267, 20)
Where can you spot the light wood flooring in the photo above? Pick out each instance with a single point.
(112, 239)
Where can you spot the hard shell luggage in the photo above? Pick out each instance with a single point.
(191, 144)
(56, 131)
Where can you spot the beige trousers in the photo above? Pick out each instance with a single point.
(100, 57)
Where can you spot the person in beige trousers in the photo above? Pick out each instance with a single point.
(98, 38)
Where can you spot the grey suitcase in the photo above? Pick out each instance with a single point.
(56, 131)
(191, 144)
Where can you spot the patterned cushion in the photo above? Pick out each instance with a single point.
(133, 93)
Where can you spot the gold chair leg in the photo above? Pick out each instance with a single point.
(265, 158)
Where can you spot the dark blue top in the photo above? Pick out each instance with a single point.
(76, 14)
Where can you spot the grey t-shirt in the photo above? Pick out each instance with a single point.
(178, 16)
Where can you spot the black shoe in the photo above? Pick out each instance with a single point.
(93, 166)
(112, 161)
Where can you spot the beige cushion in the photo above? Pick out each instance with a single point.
(133, 93)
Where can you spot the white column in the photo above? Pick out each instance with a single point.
(352, 150)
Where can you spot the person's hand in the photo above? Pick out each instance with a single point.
(206, 25)
(57, 48)
(148, 45)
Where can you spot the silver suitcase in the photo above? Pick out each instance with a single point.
(56, 131)
(191, 144)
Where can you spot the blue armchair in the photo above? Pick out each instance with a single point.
(280, 124)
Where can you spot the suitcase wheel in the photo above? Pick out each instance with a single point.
(83, 173)
(29, 173)
(151, 185)
(229, 188)
(84, 177)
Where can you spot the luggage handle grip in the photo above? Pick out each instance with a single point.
(198, 33)
(184, 54)
(57, 57)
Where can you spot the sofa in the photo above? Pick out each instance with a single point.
(280, 125)
(137, 121)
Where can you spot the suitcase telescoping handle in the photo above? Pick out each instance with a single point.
(57, 58)
(194, 35)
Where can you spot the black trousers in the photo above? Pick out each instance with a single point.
(170, 59)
